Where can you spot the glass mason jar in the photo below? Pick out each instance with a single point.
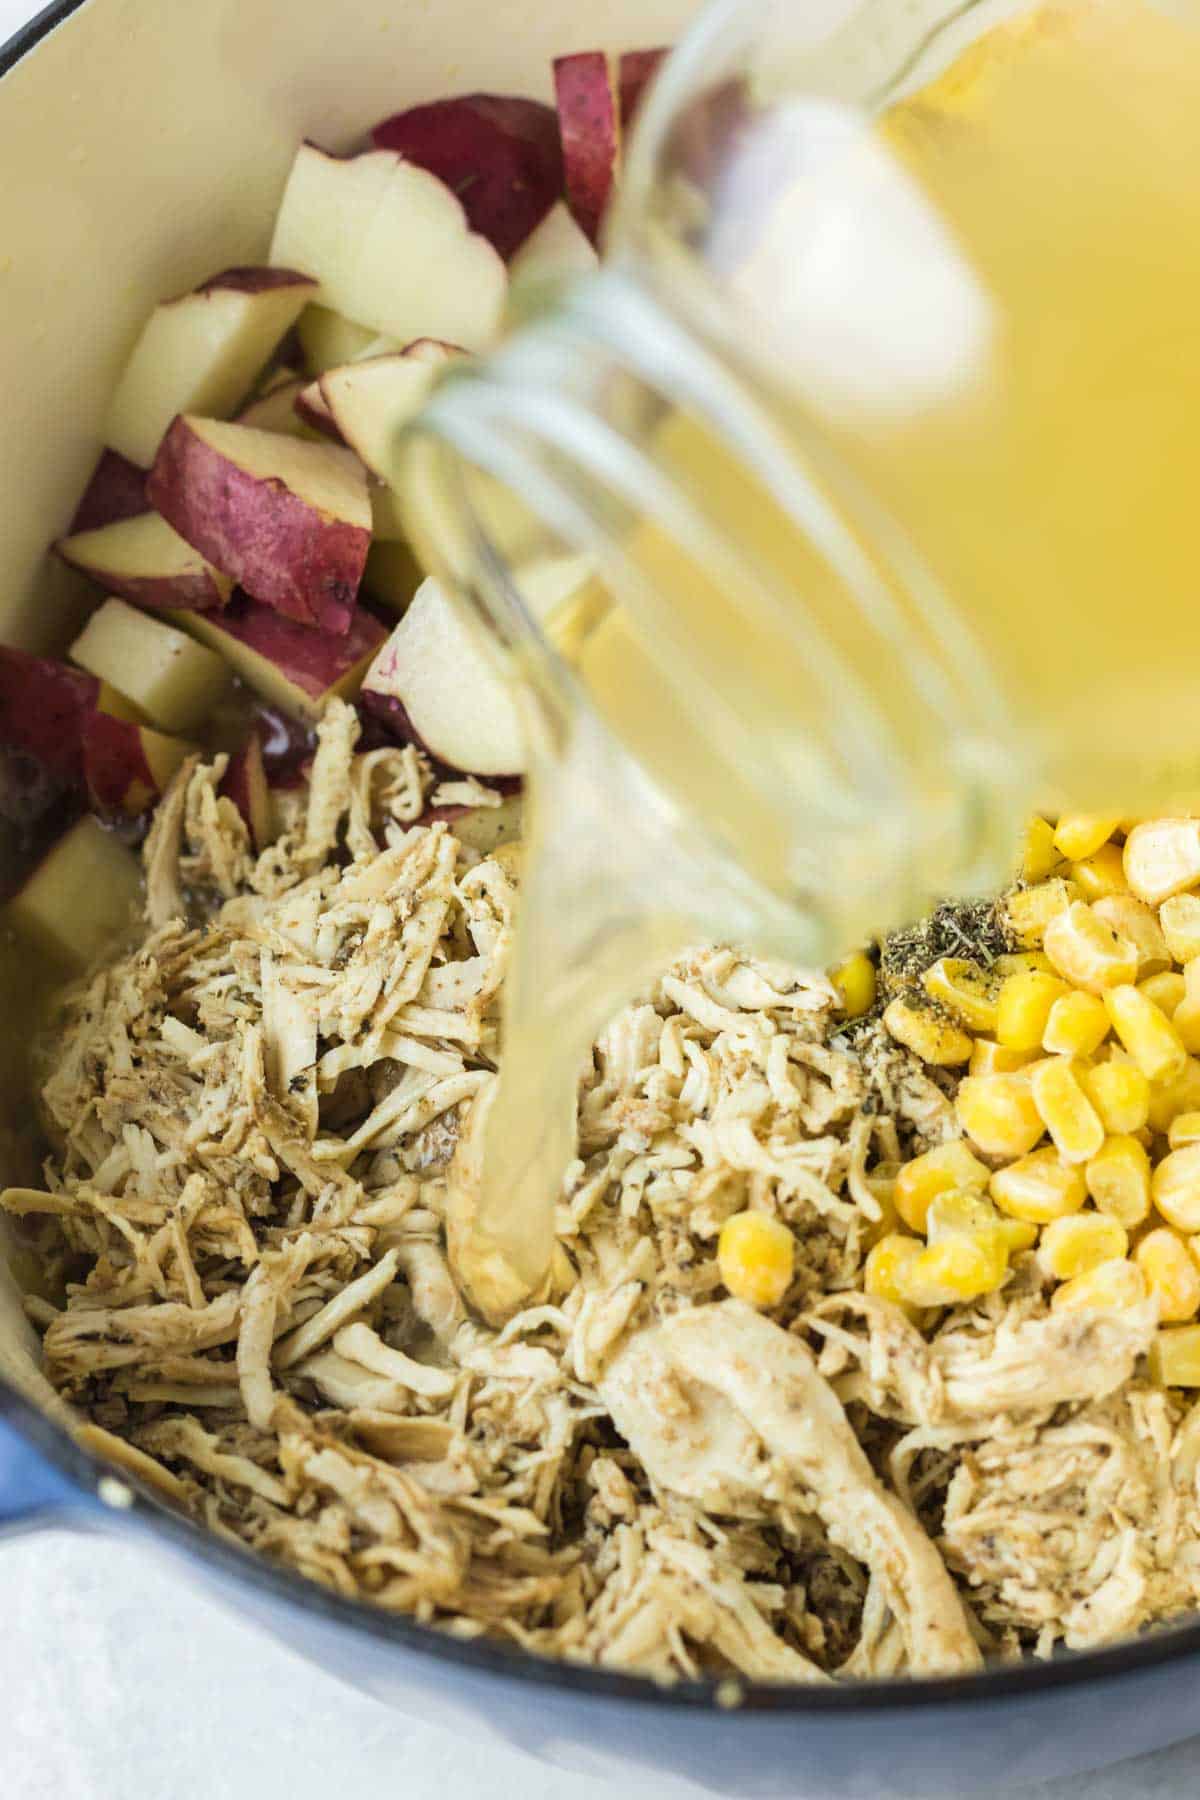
(873, 457)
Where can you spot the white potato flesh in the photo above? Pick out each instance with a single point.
(390, 247)
(201, 353)
(458, 698)
(168, 676)
(81, 896)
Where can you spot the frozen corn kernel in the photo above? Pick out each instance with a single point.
(1028, 911)
(988, 1058)
(1184, 1130)
(1102, 875)
(960, 1213)
(1118, 1180)
(929, 1035)
(1138, 924)
(1171, 1276)
(1112, 1287)
(756, 1255)
(1087, 952)
(1080, 834)
(1015, 962)
(947, 1168)
(1167, 990)
(1078, 1244)
(1076, 1025)
(1174, 1359)
(886, 1266)
(1191, 979)
(855, 981)
(1186, 1020)
(1175, 1188)
(1119, 1092)
(964, 989)
(956, 1269)
(1023, 1007)
(1039, 1187)
(1170, 1098)
(1147, 1033)
(1180, 921)
(1039, 857)
(998, 1114)
(881, 1180)
(1065, 1110)
(1162, 857)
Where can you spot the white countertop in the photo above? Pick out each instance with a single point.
(119, 1681)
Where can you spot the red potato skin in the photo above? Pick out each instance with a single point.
(116, 490)
(118, 777)
(587, 121)
(635, 71)
(168, 593)
(500, 154)
(253, 278)
(45, 707)
(312, 660)
(280, 550)
(316, 413)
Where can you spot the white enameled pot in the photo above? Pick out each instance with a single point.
(142, 144)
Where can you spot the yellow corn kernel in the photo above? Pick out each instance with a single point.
(1180, 921)
(1184, 1130)
(1039, 857)
(756, 1255)
(1186, 1020)
(855, 981)
(1138, 924)
(1162, 857)
(1175, 1188)
(1174, 1359)
(958, 1268)
(1023, 1007)
(1016, 962)
(927, 1034)
(1172, 1278)
(1078, 1244)
(886, 1266)
(1118, 1180)
(1119, 1092)
(1147, 1033)
(881, 1180)
(1080, 834)
(1028, 911)
(1102, 874)
(1087, 952)
(1167, 990)
(988, 1058)
(1065, 1110)
(1170, 1098)
(964, 989)
(1039, 1187)
(961, 1213)
(998, 1114)
(1076, 1025)
(947, 1168)
(1113, 1286)
(1191, 980)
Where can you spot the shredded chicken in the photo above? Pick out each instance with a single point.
(247, 1227)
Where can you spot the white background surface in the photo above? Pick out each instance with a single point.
(120, 1682)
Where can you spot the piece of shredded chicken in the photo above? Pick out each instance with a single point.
(251, 1118)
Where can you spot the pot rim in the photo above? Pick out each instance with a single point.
(509, 1661)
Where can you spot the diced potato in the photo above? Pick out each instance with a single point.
(81, 896)
(171, 678)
